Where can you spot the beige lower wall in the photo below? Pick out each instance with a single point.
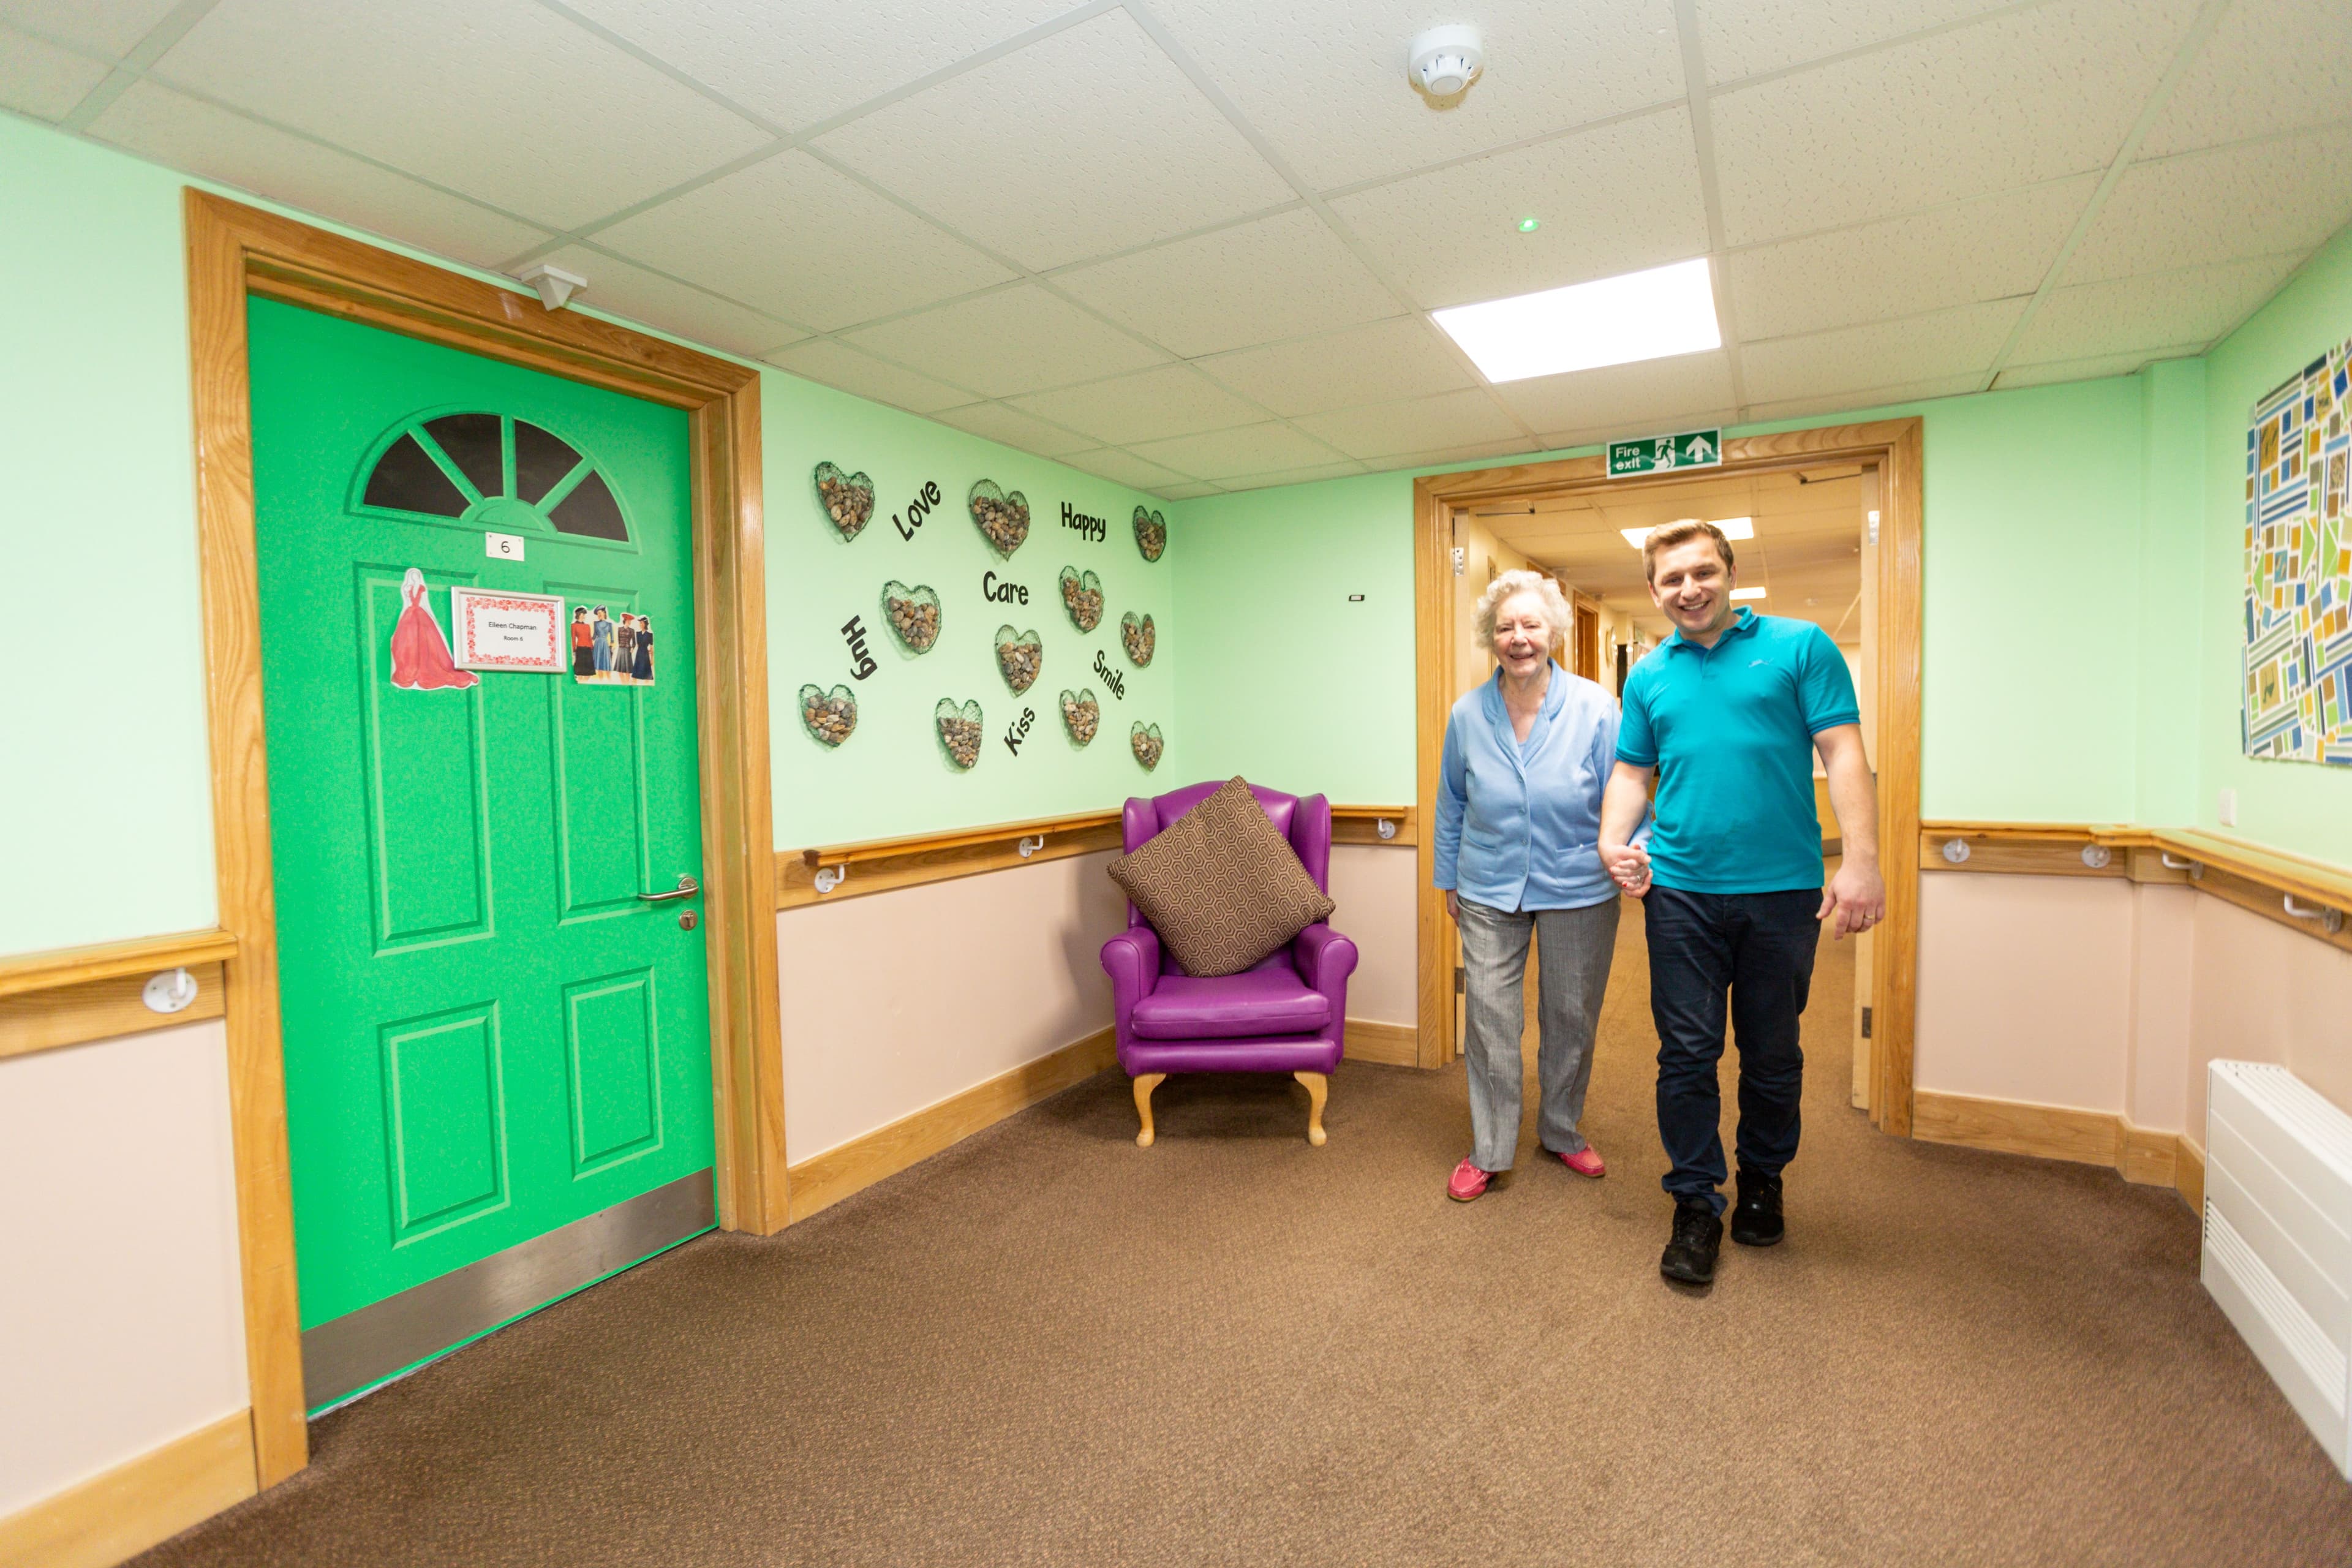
(1375, 886)
(896, 1000)
(122, 1318)
(2099, 994)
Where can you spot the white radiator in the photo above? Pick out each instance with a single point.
(2278, 1237)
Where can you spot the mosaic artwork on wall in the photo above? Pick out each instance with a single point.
(2298, 611)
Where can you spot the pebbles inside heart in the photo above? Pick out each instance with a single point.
(1002, 517)
(1139, 637)
(1144, 740)
(847, 498)
(1081, 714)
(959, 730)
(1150, 533)
(1019, 655)
(829, 715)
(913, 614)
(1082, 596)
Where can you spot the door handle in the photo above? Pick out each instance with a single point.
(686, 888)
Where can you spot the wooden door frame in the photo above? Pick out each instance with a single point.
(235, 251)
(1896, 446)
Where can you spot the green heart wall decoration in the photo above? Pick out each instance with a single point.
(913, 614)
(1081, 714)
(1082, 596)
(1150, 533)
(959, 730)
(1139, 637)
(1144, 738)
(1002, 517)
(829, 715)
(1019, 655)
(847, 498)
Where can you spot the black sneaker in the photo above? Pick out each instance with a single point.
(1756, 1218)
(1690, 1253)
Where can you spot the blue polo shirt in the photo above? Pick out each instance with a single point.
(1730, 729)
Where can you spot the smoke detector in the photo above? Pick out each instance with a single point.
(1445, 60)
(554, 285)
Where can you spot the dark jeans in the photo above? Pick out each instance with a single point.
(1758, 947)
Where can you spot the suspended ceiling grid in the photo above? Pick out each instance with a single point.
(1190, 245)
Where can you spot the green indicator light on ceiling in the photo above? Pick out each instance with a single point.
(1529, 224)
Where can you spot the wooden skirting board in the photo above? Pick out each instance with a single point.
(880, 865)
(2141, 1154)
(123, 1512)
(1393, 1044)
(822, 1180)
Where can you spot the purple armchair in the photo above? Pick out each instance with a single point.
(1290, 1014)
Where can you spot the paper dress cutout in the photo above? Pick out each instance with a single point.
(420, 654)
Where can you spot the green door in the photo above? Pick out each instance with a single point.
(498, 1077)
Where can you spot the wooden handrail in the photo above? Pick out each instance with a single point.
(59, 967)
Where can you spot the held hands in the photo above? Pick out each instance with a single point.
(1629, 866)
(1855, 901)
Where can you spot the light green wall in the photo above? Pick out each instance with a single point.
(1284, 679)
(892, 776)
(2302, 806)
(105, 796)
(2173, 648)
(2032, 497)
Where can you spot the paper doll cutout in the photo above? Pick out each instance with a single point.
(420, 654)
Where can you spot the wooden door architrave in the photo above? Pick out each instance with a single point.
(1897, 447)
(235, 251)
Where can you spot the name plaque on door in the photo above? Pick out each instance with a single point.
(497, 630)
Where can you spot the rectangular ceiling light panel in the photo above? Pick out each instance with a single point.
(1611, 321)
(1733, 528)
(1747, 593)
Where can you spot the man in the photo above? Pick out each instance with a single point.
(1728, 712)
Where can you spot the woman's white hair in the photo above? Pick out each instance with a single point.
(1546, 592)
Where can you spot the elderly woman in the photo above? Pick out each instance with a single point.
(1519, 830)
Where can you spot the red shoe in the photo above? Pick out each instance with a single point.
(1468, 1181)
(1586, 1162)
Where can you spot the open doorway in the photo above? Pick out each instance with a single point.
(1831, 535)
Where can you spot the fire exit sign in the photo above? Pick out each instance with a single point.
(1656, 454)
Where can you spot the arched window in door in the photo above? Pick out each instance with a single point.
(489, 470)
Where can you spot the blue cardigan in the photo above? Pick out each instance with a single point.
(1518, 828)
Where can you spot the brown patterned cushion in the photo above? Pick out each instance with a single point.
(1221, 887)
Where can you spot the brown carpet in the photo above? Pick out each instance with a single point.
(1049, 1346)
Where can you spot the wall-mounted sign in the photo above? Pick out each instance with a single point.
(1656, 454)
(509, 631)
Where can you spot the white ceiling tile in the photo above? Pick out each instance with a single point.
(1295, 476)
(794, 236)
(1985, 249)
(2270, 66)
(1629, 396)
(691, 313)
(1325, 81)
(1003, 422)
(1744, 37)
(2094, 369)
(2030, 96)
(41, 80)
(1863, 398)
(1886, 353)
(796, 62)
(1012, 340)
(1282, 277)
(1192, 491)
(838, 365)
(1387, 430)
(1090, 141)
(502, 99)
(1169, 400)
(1251, 449)
(204, 140)
(1614, 200)
(1127, 468)
(108, 28)
(2196, 305)
(1400, 358)
(2257, 199)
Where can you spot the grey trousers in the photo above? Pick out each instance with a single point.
(1574, 947)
